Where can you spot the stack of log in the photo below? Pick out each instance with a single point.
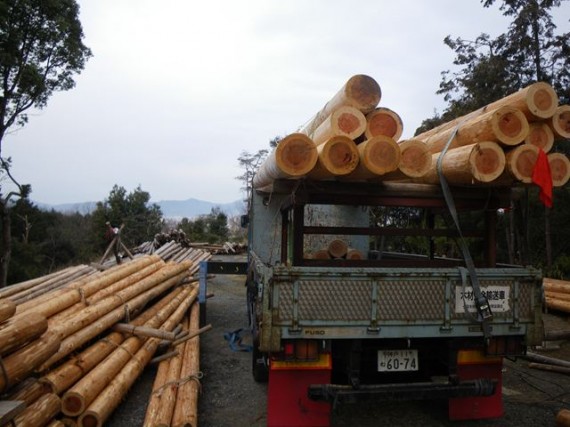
(557, 294)
(71, 353)
(336, 249)
(353, 139)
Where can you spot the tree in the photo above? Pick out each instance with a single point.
(142, 220)
(41, 50)
(489, 69)
(211, 228)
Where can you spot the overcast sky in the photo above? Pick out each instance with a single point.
(177, 89)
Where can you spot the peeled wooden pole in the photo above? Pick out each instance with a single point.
(40, 412)
(378, 156)
(338, 156)
(7, 309)
(337, 248)
(383, 121)
(28, 391)
(154, 401)
(111, 396)
(520, 163)
(560, 122)
(536, 102)
(505, 125)
(186, 409)
(294, 157)
(169, 392)
(559, 168)
(20, 330)
(346, 121)
(555, 285)
(467, 165)
(360, 91)
(563, 418)
(20, 364)
(415, 161)
(540, 135)
(354, 254)
(564, 296)
(556, 304)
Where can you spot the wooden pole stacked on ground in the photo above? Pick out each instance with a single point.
(557, 294)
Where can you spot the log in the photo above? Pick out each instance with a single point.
(144, 331)
(563, 418)
(520, 163)
(20, 330)
(378, 156)
(154, 400)
(559, 168)
(168, 392)
(338, 156)
(354, 254)
(59, 300)
(186, 409)
(321, 254)
(415, 161)
(346, 121)
(67, 374)
(7, 309)
(557, 335)
(551, 368)
(560, 122)
(536, 101)
(556, 304)
(558, 295)
(41, 412)
(111, 396)
(505, 125)
(555, 285)
(294, 157)
(476, 163)
(360, 91)
(540, 135)
(383, 121)
(337, 248)
(28, 391)
(10, 409)
(20, 364)
(535, 357)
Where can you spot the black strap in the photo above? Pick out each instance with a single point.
(481, 302)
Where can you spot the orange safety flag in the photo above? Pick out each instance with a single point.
(542, 177)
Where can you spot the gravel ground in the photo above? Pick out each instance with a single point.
(230, 397)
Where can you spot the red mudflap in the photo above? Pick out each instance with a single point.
(287, 401)
(473, 408)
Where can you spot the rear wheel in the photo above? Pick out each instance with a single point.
(259, 363)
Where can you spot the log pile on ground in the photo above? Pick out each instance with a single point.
(72, 352)
(353, 139)
(557, 294)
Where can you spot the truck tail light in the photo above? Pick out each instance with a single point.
(505, 346)
(476, 357)
(306, 350)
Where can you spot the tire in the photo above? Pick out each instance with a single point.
(259, 363)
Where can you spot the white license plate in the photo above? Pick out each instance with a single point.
(397, 360)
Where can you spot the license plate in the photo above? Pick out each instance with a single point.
(397, 360)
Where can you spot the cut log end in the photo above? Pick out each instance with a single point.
(561, 122)
(349, 122)
(72, 404)
(559, 168)
(341, 154)
(89, 420)
(542, 100)
(510, 126)
(364, 92)
(379, 155)
(296, 155)
(487, 161)
(383, 121)
(415, 158)
(337, 248)
(541, 136)
(521, 161)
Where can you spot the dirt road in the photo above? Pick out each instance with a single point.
(231, 398)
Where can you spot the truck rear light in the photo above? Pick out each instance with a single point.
(289, 350)
(476, 357)
(306, 350)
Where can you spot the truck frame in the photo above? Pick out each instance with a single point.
(393, 325)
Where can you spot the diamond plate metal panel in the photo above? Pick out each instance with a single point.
(411, 300)
(327, 300)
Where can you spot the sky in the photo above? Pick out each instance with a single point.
(176, 90)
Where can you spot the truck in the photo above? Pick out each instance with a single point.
(387, 323)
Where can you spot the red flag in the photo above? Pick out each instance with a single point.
(542, 177)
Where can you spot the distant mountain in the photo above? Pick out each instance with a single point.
(175, 209)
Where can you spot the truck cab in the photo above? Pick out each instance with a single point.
(358, 290)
